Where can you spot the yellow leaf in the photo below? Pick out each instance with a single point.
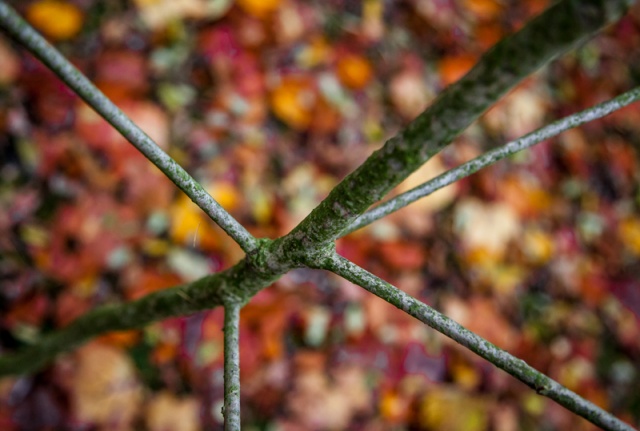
(629, 233)
(314, 53)
(190, 226)
(537, 246)
(57, 19)
(225, 193)
(465, 375)
(447, 409)
(155, 247)
(373, 19)
(261, 207)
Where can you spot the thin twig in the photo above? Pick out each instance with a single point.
(493, 156)
(519, 369)
(45, 52)
(231, 409)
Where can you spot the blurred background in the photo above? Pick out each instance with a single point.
(269, 104)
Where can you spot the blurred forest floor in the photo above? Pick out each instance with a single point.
(269, 104)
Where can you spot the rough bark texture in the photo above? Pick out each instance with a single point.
(518, 368)
(235, 285)
(493, 156)
(558, 29)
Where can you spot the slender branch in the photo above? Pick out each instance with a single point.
(519, 369)
(493, 156)
(234, 285)
(558, 29)
(13, 24)
(231, 409)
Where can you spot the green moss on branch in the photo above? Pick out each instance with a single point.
(558, 29)
(234, 286)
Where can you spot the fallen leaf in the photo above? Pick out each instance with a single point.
(354, 71)
(59, 20)
(104, 389)
(409, 94)
(260, 8)
(10, 64)
(166, 412)
(454, 67)
(436, 200)
(486, 226)
(484, 9)
(449, 409)
(293, 101)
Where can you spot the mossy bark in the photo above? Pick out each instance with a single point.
(558, 29)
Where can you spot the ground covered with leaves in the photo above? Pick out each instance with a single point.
(269, 104)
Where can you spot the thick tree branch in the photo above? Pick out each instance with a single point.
(558, 29)
(493, 156)
(519, 369)
(235, 285)
(231, 410)
(13, 24)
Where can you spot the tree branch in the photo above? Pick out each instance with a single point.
(231, 410)
(235, 285)
(493, 156)
(519, 369)
(558, 29)
(14, 25)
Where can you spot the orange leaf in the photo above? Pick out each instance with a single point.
(325, 118)
(149, 281)
(354, 71)
(259, 8)
(393, 407)
(484, 9)
(526, 197)
(164, 352)
(488, 35)
(56, 19)
(454, 67)
(294, 100)
(402, 255)
(120, 338)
